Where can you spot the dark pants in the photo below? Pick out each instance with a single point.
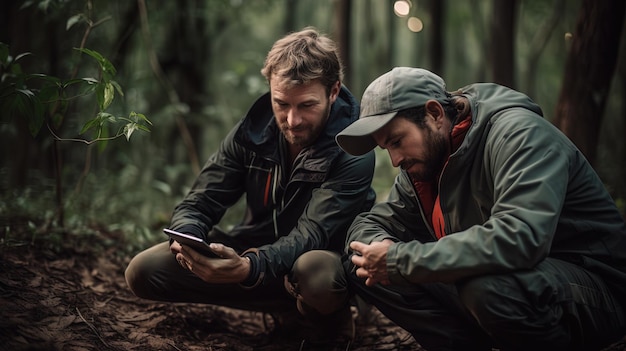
(556, 306)
(155, 274)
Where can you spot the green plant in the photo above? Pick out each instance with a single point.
(44, 100)
(47, 102)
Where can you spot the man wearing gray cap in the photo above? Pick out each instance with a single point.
(496, 233)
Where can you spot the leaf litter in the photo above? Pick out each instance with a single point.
(79, 301)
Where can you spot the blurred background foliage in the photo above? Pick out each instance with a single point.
(192, 68)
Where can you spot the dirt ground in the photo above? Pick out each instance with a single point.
(76, 300)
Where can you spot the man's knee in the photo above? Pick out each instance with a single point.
(142, 271)
(136, 275)
(318, 281)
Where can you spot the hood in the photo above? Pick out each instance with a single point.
(487, 100)
(258, 129)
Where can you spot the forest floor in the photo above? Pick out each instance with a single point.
(76, 299)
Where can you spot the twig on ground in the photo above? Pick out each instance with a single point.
(91, 326)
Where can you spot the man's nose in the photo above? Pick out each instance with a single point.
(293, 118)
(396, 159)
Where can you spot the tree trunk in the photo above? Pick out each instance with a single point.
(539, 43)
(343, 8)
(291, 8)
(588, 72)
(437, 9)
(503, 42)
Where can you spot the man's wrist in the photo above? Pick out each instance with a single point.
(253, 269)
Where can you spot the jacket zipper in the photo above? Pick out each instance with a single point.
(419, 204)
(274, 210)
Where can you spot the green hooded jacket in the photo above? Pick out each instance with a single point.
(516, 191)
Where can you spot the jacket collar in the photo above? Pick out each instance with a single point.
(259, 132)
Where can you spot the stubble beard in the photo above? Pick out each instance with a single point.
(434, 160)
(314, 131)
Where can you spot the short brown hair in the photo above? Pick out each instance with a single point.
(304, 56)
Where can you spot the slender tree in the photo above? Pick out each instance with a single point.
(588, 72)
(538, 44)
(437, 10)
(503, 42)
(343, 10)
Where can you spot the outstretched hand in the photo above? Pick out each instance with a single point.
(229, 268)
(371, 261)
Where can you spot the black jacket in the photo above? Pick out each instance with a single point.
(286, 214)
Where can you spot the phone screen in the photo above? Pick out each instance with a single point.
(191, 241)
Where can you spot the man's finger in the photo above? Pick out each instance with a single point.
(223, 251)
(357, 246)
(175, 247)
(362, 273)
(190, 253)
(370, 282)
(358, 260)
(181, 260)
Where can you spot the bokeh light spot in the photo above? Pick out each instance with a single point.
(401, 8)
(415, 24)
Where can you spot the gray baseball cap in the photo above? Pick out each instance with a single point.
(396, 90)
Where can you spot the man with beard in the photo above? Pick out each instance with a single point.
(302, 192)
(496, 233)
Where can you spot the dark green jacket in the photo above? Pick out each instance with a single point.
(515, 192)
(286, 214)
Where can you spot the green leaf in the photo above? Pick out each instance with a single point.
(108, 71)
(96, 55)
(48, 94)
(129, 129)
(105, 93)
(18, 57)
(143, 128)
(73, 20)
(26, 92)
(100, 96)
(4, 53)
(108, 117)
(16, 69)
(103, 133)
(43, 5)
(117, 87)
(139, 117)
(27, 104)
(109, 94)
(90, 81)
(47, 78)
(94, 123)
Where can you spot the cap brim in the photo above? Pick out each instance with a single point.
(357, 139)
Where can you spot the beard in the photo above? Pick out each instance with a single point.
(312, 131)
(434, 159)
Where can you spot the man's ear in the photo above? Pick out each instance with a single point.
(434, 108)
(334, 91)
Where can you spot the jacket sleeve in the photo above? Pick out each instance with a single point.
(398, 218)
(219, 185)
(345, 193)
(526, 166)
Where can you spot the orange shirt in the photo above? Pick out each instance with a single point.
(427, 191)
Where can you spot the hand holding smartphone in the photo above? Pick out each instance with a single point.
(189, 240)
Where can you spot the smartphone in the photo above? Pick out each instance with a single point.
(191, 241)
